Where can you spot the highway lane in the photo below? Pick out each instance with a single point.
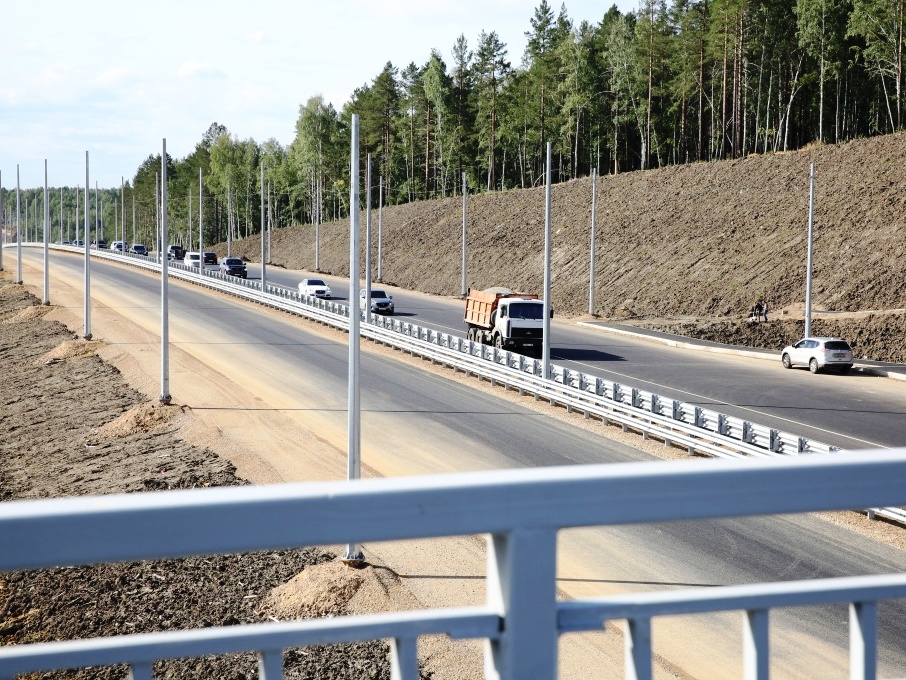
(853, 411)
(418, 422)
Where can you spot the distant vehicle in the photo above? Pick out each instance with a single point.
(78, 242)
(210, 258)
(138, 249)
(507, 320)
(192, 259)
(118, 245)
(381, 303)
(233, 266)
(175, 252)
(818, 354)
(100, 245)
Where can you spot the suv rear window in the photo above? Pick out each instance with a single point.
(837, 344)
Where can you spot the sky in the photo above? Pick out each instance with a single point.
(117, 78)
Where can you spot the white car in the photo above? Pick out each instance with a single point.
(314, 288)
(381, 303)
(118, 246)
(818, 354)
(192, 259)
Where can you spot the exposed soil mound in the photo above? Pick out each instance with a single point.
(70, 349)
(27, 314)
(702, 240)
(140, 419)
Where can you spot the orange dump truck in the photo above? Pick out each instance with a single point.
(505, 319)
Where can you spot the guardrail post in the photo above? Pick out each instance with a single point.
(636, 398)
(655, 403)
(699, 416)
(863, 640)
(638, 649)
(599, 387)
(747, 432)
(722, 427)
(617, 392)
(756, 659)
(803, 445)
(677, 410)
(776, 444)
(521, 587)
(141, 671)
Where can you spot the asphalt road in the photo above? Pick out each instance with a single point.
(424, 423)
(853, 411)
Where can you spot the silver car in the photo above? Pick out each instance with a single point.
(818, 354)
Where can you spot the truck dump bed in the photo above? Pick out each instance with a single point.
(482, 303)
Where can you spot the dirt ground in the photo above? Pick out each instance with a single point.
(72, 426)
(695, 244)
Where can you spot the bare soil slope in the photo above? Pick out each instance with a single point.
(696, 243)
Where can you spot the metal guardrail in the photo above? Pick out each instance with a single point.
(697, 429)
(522, 511)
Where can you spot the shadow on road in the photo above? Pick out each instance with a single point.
(583, 354)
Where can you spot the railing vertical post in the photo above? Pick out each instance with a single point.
(638, 649)
(755, 645)
(403, 658)
(522, 572)
(141, 671)
(270, 664)
(863, 640)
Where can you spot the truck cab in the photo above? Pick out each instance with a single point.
(507, 320)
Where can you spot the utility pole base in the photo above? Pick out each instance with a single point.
(165, 399)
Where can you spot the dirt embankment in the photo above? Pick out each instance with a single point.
(696, 243)
(71, 426)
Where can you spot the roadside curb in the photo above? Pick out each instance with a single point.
(892, 371)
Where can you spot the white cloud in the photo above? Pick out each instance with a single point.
(112, 77)
(196, 69)
(256, 37)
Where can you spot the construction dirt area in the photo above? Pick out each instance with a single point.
(685, 249)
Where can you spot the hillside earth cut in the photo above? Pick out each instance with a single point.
(688, 247)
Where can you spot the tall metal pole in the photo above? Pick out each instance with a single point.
(87, 244)
(46, 239)
(133, 213)
(97, 215)
(123, 212)
(808, 265)
(318, 228)
(229, 221)
(270, 221)
(354, 464)
(367, 241)
(190, 215)
(263, 261)
(18, 232)
(465, 289)
(200, 222)
(591, 265)
(61, 215)
(78, 216)
(546, 323)
(164, 276)
(160, 256)
(380, 229)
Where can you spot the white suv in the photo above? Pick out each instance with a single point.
(818, 354)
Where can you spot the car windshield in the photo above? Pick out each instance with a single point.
(836, 344)
(523, 310)
(315, 282)
(378, 294)
(232, 261)
(193, 256)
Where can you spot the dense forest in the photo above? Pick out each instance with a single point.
(688, 81)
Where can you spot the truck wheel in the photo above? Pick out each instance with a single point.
(471, 335)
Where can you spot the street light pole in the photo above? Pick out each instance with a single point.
(808, 265)
(46, 239)
(354, 553)
(591, 276)
(464, 196)
(87, 243)
(164, 280)
(546, 339)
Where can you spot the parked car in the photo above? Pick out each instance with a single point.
(99, 245)
(138, 249)
(175, 252)
(118, 246)
(315, 288)
(192, 259)
(210, 258)
(233, 266)
(381, 303)
(818, 354)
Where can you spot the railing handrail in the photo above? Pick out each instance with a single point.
(522, 510)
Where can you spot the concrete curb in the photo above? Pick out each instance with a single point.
(895, 372)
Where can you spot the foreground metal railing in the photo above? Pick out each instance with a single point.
(521, 510)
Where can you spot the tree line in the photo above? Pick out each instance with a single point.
(688, 81)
